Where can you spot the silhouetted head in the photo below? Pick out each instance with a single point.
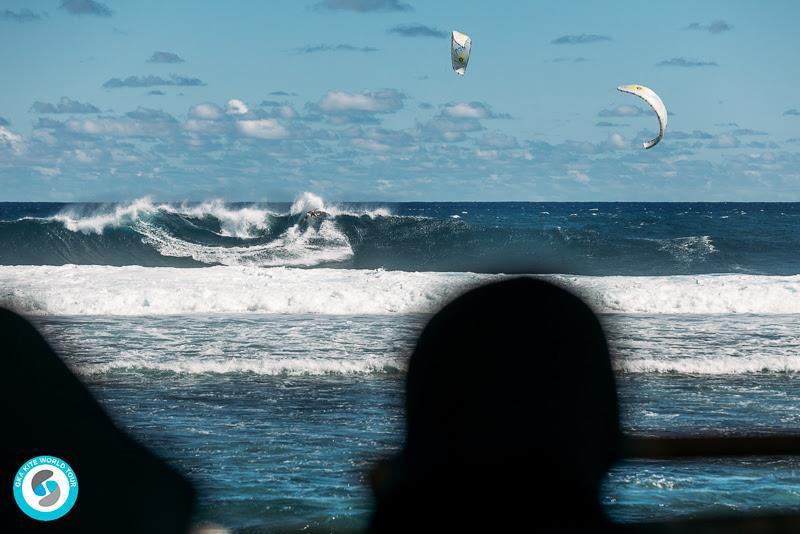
(511, 414)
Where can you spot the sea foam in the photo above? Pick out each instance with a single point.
(133, 290)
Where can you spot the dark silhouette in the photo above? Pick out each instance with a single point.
(47, 411)
(512, 418)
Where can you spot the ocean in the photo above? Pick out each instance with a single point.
(263, 353)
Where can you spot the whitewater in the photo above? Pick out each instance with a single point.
(273, 346)
(134, 290)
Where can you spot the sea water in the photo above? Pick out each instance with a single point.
(263, 353)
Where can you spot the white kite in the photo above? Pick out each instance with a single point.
(649, 96)
(460, 45)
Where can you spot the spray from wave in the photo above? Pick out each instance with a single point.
(209, 233)
(489, 238)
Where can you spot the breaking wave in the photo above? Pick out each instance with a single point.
(132, 290)
(514, 237)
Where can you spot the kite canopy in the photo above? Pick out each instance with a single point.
(649, 96)
(460, 45)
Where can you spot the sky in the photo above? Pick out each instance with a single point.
(356, 100)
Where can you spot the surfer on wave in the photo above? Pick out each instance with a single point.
(316, 214)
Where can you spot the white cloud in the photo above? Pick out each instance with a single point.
(378, 102)
(204, 126)
(579, 176)
(237, 107)
(486, 154)
(120, 127)
(47, 171)
(724, 141)
(12, 140)
(206, 111)
(625, 110)
(262, 129)
(287, 112)
(616, 141)
(371, 145)
(466, 111)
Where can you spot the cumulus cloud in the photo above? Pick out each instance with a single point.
(85, 7)
(286, 112)
(65, 105)
(338, 151)
(626, 110)
(606, 124)
(384, 101)
(262, 129)
(498, 141)
(724, 141)
(686, 62)
(150, 115)
(370, 145)
(616, 141)
(417, 30)
(696, 134)
(792, 113)
(748, 131)
(456, 120)
(165, 57)
(23, 15)
(11, 140)
(282, 93)
(362, 6)
(152, 81)
(579, 176)
(206, 111)
(236, 107)
(141, 122)
(107, 126)
(314, 49)
(156, 92)
(583, 38)
(472, 110)
(715, 27)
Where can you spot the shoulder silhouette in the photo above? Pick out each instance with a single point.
(123, 487)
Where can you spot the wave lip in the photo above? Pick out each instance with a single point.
(132, 290)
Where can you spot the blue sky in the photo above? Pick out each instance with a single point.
(356, 100)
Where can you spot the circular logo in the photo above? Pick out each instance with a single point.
(45, 488)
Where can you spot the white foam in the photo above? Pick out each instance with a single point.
(95, 224)
(306, 202)
(134, 290)
(717, 365)
(688, 249)
(298, 246)
(243, 222)
(264, 366)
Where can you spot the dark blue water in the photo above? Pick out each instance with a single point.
(276, 414)
(579, 238)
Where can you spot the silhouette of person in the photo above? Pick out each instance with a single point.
(511, 417)
(122, 487)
